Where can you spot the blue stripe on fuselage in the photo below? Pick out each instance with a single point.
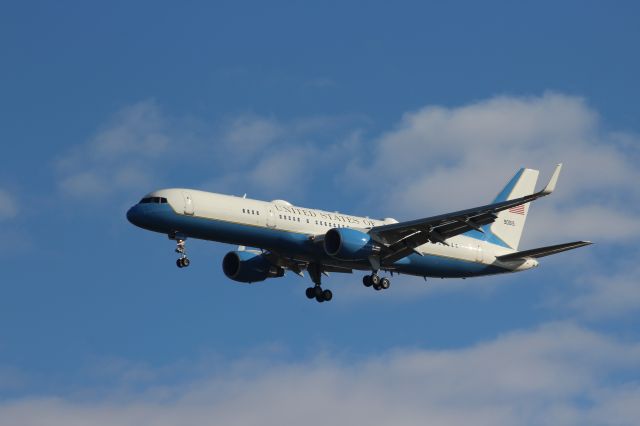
(163, 219)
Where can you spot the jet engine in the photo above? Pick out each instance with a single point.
(248, 267)
(349, 244)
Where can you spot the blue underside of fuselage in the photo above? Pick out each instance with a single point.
(162, 218)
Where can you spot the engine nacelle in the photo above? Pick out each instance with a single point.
(248, 267)
(349, 244)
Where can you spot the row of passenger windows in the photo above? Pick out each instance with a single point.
(291, 218)
(317, 222)
(297, 219)
(154, 200)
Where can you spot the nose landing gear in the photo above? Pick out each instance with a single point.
(183, 260)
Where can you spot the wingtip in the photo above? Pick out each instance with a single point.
(551, 186)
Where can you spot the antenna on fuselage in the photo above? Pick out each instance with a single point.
(245, 195)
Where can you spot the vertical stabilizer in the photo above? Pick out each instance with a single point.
(507, 229)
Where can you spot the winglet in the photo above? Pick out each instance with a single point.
(552, 182)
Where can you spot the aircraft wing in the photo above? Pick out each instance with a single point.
(544, 251)
(401, 239)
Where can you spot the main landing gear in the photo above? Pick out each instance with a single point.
(316, 292)
(376, 282)
(319, 294)
(183, 260)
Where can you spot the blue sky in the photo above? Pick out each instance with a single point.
(400, 110)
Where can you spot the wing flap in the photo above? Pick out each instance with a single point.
(544, 251)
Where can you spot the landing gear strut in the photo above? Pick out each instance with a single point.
(376, 282)
(316, 292)
(183, 260)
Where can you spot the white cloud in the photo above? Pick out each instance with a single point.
(275, 158)
(246, 136)
(602, 293)
(557, 374)
(8, 205)
(121, 156)
(284, 169)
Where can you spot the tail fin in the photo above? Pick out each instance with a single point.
(507, 229)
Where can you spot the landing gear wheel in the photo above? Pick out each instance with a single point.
(310, 292)
(375, 279)
(185, 262)
(377, 287)
(319, 294)
(327, 295)
(385, 283)
(179, 263)
(366, 280)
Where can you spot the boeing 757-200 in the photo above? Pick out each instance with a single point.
(473, 242)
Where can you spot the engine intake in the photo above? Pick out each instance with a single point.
(349, 244)
(248, 267)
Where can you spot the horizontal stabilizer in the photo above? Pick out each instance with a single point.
(544, 251)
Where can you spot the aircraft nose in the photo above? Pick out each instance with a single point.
(135, 215)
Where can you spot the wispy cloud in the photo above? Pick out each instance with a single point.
(141, 145)
(120, 157)
(600, 290)
(8, 205)
(556, 374)
(277, 158)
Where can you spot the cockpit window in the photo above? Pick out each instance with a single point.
(153, 200)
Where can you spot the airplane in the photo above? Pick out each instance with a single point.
(467, 243)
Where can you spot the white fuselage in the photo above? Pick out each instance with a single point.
(253, 218)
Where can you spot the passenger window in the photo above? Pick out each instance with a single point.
(243, 211)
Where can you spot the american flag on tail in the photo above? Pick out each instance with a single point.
(518, 209)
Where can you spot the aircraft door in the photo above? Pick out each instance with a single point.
(271, 218)
(188, 203)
